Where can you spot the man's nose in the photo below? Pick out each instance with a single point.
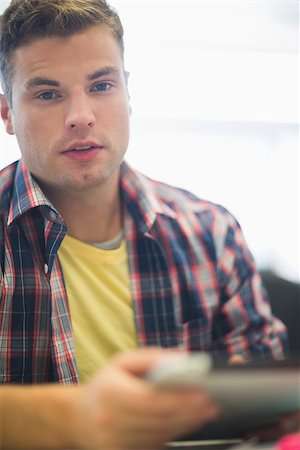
(79, 112)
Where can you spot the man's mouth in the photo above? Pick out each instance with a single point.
(83, 153)
(82, 146)
(82, 149)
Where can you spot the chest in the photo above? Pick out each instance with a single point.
(172, 302)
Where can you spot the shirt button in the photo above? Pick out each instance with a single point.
(46, 268)
(52, 215)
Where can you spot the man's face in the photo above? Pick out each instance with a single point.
(70, 109)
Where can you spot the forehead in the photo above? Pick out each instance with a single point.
(95, 46)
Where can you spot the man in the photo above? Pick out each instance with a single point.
(95, 257)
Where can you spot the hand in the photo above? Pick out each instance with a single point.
(120, 410)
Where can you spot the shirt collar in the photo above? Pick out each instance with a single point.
(141, 199)
(27, 194)
(138, 194)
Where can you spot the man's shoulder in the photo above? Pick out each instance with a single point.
(183, 201)
(7, 177)
(183, 213)
(151, 198)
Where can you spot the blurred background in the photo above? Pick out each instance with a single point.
(214, 89)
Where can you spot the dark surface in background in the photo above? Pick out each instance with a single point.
(285, 301)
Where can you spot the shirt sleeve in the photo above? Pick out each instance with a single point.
(244, 323)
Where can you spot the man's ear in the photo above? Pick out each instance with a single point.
(6, 114)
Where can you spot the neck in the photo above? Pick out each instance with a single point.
(91, 216)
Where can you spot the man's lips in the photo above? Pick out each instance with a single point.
(82, 146)
(83, 152)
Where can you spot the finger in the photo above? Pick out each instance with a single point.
(174, 419)
(141, 361)
(153, 434)
(122, 391)
(186, 414)
(143, 400)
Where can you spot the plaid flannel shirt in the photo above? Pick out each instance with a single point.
(194, 283)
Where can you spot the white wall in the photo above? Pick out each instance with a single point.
(215, 97)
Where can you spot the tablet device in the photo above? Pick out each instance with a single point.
(250, 395)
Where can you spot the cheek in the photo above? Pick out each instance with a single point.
(26, 134)
(120, 116)
(24, 125)
(30, 139)
(123, 133)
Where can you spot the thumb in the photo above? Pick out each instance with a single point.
(140, 361)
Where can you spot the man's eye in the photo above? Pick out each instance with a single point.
(101, 87)
(49, 95)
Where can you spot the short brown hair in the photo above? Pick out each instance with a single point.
(26, 20)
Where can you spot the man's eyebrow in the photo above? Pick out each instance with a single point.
(38, 81)
(102, 72)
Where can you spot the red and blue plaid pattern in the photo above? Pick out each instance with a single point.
(193, 280)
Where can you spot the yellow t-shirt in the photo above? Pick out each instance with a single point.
(98, 290)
